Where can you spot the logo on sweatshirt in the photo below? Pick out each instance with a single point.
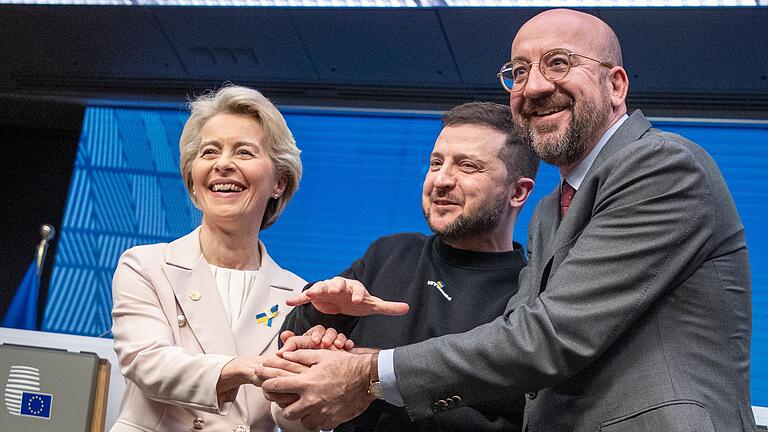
(439, 285)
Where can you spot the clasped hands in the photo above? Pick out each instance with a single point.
(319, 377)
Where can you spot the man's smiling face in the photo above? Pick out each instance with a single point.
(564, 119)
(465, 192)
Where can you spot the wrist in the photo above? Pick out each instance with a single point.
(374, 384)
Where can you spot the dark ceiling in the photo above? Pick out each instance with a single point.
(681, 61)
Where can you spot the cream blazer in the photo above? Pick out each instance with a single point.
(172, 338)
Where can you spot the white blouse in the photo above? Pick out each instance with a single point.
(234, 287)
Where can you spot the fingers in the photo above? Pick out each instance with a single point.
(358, 291)
(350, 297)
(285, 365)
(340, 342)
(384, 307)
(287, 334)
(282, 384)
(299, 299)
(325, 338)
(317, 334)
(281, 399)
(293, 343)
(349, 344)
(328, 339)
(331, 287)
(297, 343)
(306, 357)
(264, 373)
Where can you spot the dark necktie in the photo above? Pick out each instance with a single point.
(566, 195)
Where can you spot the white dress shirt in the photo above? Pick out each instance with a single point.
(234, 287)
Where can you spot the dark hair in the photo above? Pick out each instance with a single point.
(517, 154)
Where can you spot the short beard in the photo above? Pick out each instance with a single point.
(486, 218)
(581, 133)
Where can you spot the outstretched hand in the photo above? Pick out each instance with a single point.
(346, 296)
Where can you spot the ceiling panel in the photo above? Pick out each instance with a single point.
(377, 46)
(677, 58)
(693, 50)
(255, 44)
(481, 39)
(85, 41)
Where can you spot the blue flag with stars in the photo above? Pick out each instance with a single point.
(36, 404)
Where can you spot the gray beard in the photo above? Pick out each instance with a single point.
(574, 143)
(465, 227)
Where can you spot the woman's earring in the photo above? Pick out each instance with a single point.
(277, 196)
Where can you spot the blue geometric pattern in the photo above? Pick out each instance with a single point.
(125, 191)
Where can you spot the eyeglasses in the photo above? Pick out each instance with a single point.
(554, 65)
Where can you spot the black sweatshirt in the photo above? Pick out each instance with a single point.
(449, 291)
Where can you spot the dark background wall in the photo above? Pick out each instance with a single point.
(38, 142)
(681, 61)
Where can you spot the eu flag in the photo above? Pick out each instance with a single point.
(36, 404)
(22, 313)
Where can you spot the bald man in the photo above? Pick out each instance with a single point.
(639, 310)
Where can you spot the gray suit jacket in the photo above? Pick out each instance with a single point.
(635, 310)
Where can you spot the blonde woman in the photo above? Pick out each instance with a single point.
(193, 319)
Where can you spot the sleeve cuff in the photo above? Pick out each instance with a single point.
(388, 379)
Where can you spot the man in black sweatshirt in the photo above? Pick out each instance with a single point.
(480, 175)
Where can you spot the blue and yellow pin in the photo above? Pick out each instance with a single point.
(268, 316)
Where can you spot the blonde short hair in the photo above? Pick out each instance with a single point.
(278, 139)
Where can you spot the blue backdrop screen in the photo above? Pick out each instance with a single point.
(362, 179)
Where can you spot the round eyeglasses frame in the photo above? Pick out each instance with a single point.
(550, 72)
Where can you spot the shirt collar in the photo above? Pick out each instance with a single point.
(580, 171)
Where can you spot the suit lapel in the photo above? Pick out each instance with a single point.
(266, 299)
(546, 229)
(581, 208)
(195, 290)
(549, 221)
(632, 129)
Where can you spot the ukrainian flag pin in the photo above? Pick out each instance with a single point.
(268, 316)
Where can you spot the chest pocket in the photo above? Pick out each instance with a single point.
(677, 415)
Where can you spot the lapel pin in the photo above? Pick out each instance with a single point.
(268, 316)
(194, 295)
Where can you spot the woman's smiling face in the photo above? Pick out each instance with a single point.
(233, 176)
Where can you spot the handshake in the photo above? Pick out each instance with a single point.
(319, 377)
